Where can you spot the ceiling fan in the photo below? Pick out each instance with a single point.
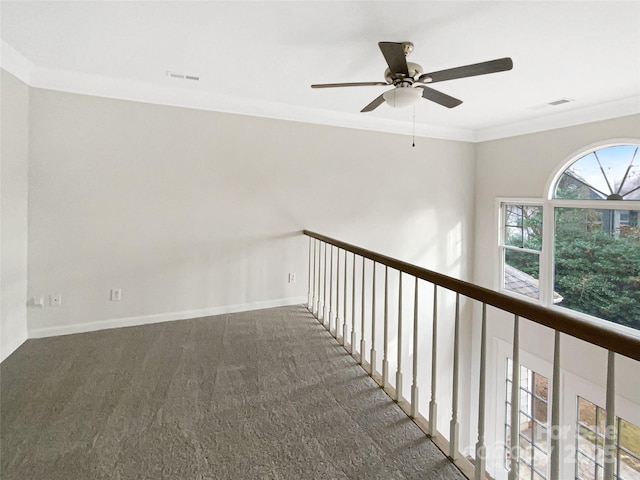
(409, 81)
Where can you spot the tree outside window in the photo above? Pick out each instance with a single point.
(594, 267)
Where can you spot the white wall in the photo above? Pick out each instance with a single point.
(521, 167)
(194, 212)
(13, 207)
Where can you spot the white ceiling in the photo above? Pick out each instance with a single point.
(260, 58)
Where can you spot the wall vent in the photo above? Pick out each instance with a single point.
(561, 101)
(182, 76)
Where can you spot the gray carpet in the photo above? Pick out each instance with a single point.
(264, 394)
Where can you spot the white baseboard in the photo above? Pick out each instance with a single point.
(12, 346)
(161, 317)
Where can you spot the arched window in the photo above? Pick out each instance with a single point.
(580, 247)
(610, 173)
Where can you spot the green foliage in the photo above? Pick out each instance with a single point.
(599, 274)
(526, 262)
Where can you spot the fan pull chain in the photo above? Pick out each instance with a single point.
(414, 126)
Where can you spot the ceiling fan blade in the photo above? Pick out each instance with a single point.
(439, 97)
(373, 105)
(492, 66)
(395, 57)
(354, 84)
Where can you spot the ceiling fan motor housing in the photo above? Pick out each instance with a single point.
(415, 71)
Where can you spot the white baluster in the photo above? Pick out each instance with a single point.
(385, 360)
(433, 405)
(313, 304)
(555, 411)
(344, 314)
(330, 290)
(610, 429)
(318, 310)
(337, 333)
(514, 444)
(362, 342)
(454, 438)
(481, 449)
(373, 321)
(353, 308)
(414, 385)
(309, 299)
(324, 304)
(399, 366)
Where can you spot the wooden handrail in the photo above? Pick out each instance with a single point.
(624, 343)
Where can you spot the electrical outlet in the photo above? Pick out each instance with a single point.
(292, 278)
(116, 294)
(56, 300)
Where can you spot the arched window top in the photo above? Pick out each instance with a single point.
(610, 173)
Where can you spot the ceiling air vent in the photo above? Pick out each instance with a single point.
(560, 102)
(182, 76)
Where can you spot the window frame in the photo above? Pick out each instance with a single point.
(501, 202)
(532, 396)
(547, 252)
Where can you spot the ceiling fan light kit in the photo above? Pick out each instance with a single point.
(408, 79)
(401, 97)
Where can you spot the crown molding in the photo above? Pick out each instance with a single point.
(576, 116)
(15, 63)
(125, 89)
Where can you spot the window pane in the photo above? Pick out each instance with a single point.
(630, 454)
(540, 435)
(522, 273)
(532, 433)
(587, 413)
(609, 173)
(597, 263)
(590, 445)
(540, 461)
(542, 387)
(513, 215)
(513, 236)
(523, 226)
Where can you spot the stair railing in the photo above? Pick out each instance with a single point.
(321, 283)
